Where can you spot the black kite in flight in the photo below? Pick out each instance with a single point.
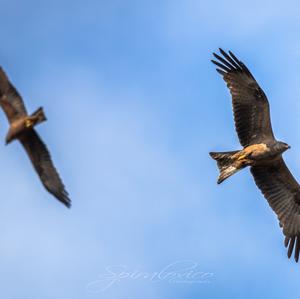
(22, 128)
(261, 151)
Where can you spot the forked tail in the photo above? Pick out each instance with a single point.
(38, 116)
(228, 164)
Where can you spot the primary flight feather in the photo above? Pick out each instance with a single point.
(261, 151)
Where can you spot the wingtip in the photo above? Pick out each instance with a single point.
(66, 201)
(222, 73)
(230, 52)
(291, 246)
(286, 242)
(223, 52)
(220, 180)
(68, 205)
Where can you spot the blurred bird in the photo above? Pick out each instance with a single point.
(22, 129)
(261, 151)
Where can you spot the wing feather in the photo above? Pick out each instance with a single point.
(10, 100)
(41, 160)
(250, 104)
(283, 195)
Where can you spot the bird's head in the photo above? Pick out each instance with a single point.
(282, 146)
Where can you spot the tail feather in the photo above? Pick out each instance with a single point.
(226, 164)
(39, 115)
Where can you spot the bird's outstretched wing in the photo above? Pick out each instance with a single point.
(41, 160)
(250, 104)
(283, 195)
(10, 100)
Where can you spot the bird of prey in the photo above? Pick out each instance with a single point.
(261, 151)
(22, 129)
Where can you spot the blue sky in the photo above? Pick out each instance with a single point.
(134, 105)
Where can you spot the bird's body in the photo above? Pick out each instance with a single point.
(24, 124)
(22, 128)
(253, 155)
(261, 151)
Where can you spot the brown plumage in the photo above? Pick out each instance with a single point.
(22, 129)
(261, 151)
